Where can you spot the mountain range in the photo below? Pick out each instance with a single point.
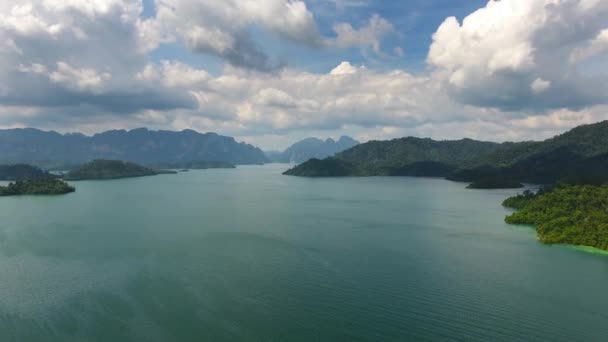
(309, 148)
(580, 154)
(140, 145)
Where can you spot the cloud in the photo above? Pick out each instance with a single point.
(78, 53)
(222, 30)
(498, 51)
(368, 36)
(539, 85)
(344, 68)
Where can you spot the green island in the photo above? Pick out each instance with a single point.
(566, 214)
(579, 154)
(111, 169)
(36, 187)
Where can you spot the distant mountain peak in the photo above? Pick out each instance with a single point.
(308, 148)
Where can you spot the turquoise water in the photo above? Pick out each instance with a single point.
(248, 254)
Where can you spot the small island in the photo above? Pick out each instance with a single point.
(192, 165)
(37, 187)
(111, 169)
(567, 214)
(495, 183)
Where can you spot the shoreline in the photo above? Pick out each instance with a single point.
(588, 249)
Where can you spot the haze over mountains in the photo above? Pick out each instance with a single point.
(306, 149)
(139, 145)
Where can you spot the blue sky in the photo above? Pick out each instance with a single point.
(414, 22)
(271, 72)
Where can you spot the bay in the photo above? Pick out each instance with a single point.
(248, 254)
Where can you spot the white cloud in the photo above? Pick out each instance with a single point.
(497, 50)
(222, 30)
(539, 85)
(79, 78)
(368, 36)
(77, 53)
(344, 68)
(591, 48)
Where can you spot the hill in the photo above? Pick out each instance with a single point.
(403, 157)
(109, 169)
(141, 145)
(580, 154)
(312, 148)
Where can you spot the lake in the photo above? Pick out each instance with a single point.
(248, 254)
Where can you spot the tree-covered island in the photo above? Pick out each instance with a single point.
(36, 187)
(566, 214)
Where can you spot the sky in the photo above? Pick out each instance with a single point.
(271, 72)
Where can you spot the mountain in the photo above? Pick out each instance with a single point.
(312, 148)
(140, 145)
(580, 154)
(402, 157)
(109, 169)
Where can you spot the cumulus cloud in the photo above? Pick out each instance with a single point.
(222, 30)
(367, 36)
(493, 57)
(77, 53)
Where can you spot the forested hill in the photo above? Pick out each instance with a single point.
(406, 156)
(141, 145)
(581, 154)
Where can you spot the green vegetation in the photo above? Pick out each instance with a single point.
(568, 214)
(36, 187)
(580, 155)
(23, 172)
(109, 169)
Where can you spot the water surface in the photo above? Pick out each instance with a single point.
(248, 254)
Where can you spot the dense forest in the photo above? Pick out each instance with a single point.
(36, 187)
(567, 214)
(110, 169)
(580, 155)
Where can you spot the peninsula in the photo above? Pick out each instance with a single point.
(111, 169)
(566, 214)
